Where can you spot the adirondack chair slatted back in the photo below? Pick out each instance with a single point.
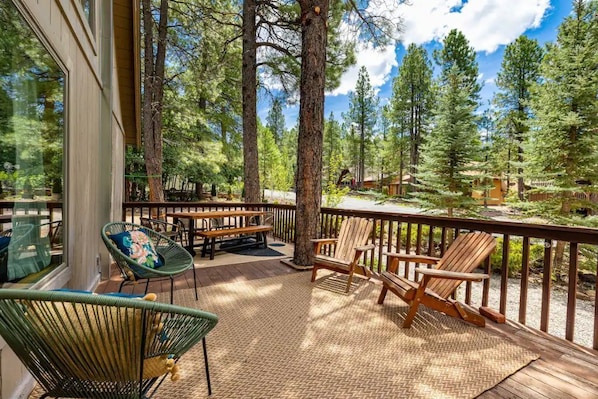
(354, 232)
(466, 253)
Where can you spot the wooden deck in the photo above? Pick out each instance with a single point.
(564, 370)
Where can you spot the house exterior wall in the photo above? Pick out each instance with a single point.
(94, 151)
(495, 194)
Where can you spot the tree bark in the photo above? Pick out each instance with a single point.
(311, 124)
(153, 94)
(249, 85)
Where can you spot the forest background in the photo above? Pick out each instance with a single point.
(537, 129)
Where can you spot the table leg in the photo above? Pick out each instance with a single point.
(213, 249)
(190, 236)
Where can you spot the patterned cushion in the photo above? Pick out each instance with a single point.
(137, 245)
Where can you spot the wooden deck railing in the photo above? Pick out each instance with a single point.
(430, 235)
(523, 247)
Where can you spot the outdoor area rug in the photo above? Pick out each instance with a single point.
(284, 337)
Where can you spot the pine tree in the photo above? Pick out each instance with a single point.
(275, 120)
(519, 70)
(449, 155)
(269, 160)
(332, 151)
(457, 55)
(562, 143)
(412, 102)
(363, 108)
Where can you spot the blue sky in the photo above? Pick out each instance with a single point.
(489, 25)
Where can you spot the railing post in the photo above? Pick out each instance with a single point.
(504, 274)
(546, 285)
(524, 280)
(572, 293)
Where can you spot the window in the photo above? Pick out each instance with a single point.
(31, 153)
(89, 11)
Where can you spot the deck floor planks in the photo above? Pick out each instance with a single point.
(564, 370)
(515, 389)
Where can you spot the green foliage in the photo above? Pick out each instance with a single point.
(536, 254)
(363, 110)
(333, 194)
(520, 69)
(561, 147)
(587, 259)
(332, 154)
(275, 120)
(411, 105)
(272, 172)
(448, 167)
(457, 55)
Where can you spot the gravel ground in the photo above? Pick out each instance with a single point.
(584, 314)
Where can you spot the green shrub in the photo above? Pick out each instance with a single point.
(536, 254)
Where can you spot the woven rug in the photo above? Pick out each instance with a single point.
(284, 337)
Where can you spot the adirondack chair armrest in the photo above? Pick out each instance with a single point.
(395, 257)
(364, 248)
(319, 242)
(324, 240)
(429, 260)
(451, 275)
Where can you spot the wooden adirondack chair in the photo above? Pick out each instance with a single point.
(349, 246)
(466, 253)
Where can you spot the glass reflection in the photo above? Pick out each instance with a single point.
(31, 153)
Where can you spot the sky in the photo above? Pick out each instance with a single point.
(488, 25)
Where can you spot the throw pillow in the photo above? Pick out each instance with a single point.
(138, 246)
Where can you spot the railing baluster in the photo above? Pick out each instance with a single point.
(443, 241)
(407, 249)
(546, 285)
(418, 243)
(431, 241)
(524, 280)
(504, 274)
(399, 236)
(486, 283)
(595, 343)
(380, 245)
(572, 293)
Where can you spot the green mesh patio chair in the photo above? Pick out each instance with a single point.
(175, 231)
(171, 261)
(79, 345)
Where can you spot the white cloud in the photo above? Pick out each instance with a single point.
(378, 62)
(487, 24)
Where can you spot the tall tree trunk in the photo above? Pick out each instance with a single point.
(311, 124)
(519, 136)
(249, 85)
(153, 94)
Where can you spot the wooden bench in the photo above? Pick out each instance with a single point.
(210, 236)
